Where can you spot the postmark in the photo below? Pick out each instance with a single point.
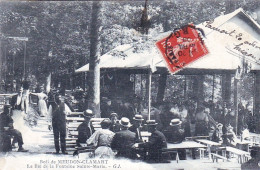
(182, 47)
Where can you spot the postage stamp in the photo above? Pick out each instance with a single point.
(182, 47)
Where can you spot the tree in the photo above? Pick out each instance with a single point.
(94, 73)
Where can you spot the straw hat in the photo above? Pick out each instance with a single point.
(175, 122)
(88, 113)
(151, 123)
(138, 118)
(125, 122)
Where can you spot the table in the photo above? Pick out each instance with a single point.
(209, 144)
(184, 145)
(241, 154)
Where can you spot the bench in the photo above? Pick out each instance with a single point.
(74, 119)
(217, 157)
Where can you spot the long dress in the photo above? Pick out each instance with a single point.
(42, 104)
(102, 139)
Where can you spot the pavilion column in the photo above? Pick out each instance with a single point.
(198, 88)
(257, 100)
(226, 88)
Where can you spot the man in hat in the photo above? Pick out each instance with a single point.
(7, 129)
(253, 163)
(124, 140)
(157, 142)
(115, 126)
(59, 123)
(85, 129)
(136, 128)
(175, 134)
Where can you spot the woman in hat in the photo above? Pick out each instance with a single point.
(231, 136)
(115, 126)
(102, 140)
(217, 134)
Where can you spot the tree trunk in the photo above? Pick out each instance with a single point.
(198, 88)
(236, 103)
(161, 87)
(94, 70)
(226, 88)
(1, 59)
(257, 100)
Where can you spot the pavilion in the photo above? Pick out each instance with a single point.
(231, 39)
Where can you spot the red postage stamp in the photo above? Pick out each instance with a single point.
(182, 47)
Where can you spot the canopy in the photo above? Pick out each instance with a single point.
(222, 55)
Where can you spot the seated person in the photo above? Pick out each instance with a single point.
(85, 129)
(115, 126)
(253, 163)
(175, 134)
(217, 134)
(124, 140)
(102, 139)
(136, 128)
(231, 136)
(157, 142)
(7, 129)
(245, 133)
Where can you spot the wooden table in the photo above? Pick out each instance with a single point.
(209, 143)
(184, 145)
(242, 155)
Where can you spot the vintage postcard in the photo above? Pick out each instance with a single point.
(171, 84)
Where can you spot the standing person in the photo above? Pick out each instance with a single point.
(85, 129)
(7, 128)
(102, 140)
(185, 121)
(201, 122)
(128, 111)
(106, 108)
(14, 86)
(115, 126)
(124, 140)
(136, 127)
(42, 102)
(157, 142)
(17, 101)
(59, 124)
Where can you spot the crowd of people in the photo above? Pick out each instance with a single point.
(124, 121)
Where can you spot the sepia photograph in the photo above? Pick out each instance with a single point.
(146, 84)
